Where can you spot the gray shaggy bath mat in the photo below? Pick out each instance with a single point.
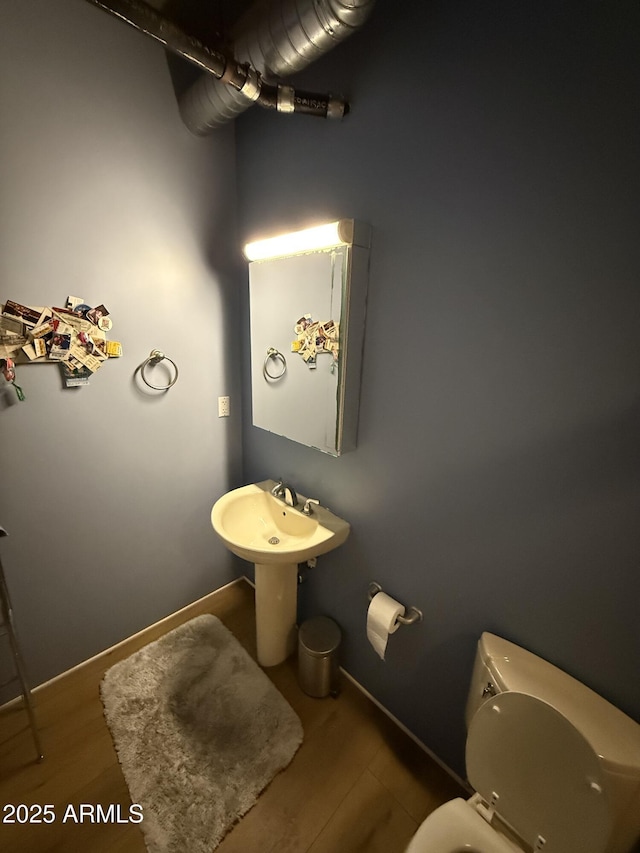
(200, 731)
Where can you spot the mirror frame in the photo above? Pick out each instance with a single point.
(355, 238)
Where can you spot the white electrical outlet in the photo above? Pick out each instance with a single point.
(223, 407)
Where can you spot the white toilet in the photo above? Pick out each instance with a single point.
(555, 767)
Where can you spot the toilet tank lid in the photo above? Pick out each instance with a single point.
(613, 735)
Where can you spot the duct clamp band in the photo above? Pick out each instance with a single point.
(286, 99)
(155, 357)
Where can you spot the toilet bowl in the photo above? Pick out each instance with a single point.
(456, 827)
(555, 768)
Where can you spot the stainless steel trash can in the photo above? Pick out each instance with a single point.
(318, 643)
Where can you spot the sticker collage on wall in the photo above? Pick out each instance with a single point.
(74, 337)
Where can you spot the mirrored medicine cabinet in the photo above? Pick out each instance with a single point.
(307, 296)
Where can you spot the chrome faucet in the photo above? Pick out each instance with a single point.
(277, 490)
(307, 509)
(285, 492)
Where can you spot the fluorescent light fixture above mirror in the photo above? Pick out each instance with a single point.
(338, 233)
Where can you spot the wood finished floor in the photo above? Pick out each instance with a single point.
(357, 783)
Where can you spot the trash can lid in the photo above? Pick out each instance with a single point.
(320, 635)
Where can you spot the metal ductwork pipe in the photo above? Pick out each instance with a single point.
(241, 77)
(276, 38)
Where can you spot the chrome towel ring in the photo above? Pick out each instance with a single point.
(276, 355)
(155, 357)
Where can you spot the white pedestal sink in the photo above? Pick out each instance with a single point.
(262, 529)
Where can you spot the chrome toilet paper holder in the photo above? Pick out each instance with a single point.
(413, 614)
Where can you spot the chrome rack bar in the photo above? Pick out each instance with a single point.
(6, 613)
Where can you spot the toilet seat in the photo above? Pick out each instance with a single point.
(456, 827)
(539, 773)
(533, 771)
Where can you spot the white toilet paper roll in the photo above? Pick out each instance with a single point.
(382, 618)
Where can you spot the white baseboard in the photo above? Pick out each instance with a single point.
(172, 617)
(111, 649)
(407, 731)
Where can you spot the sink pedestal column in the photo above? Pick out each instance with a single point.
(276, 611)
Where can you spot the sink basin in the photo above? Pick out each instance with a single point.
(262, 529)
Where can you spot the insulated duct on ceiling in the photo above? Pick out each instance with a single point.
(276, 38)
(240, 77)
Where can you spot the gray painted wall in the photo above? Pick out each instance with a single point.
(105, 490)
(494, 150)
(495, 485)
